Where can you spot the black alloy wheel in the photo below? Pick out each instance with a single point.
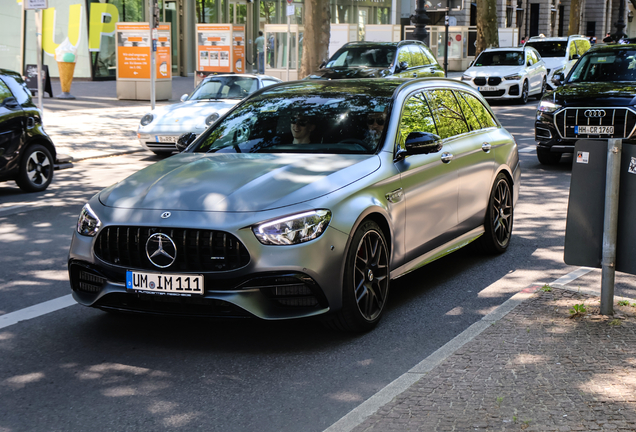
(36, 169)
(523, 98)
(366, 281)
(499, 217)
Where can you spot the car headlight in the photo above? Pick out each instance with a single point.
(211, 119)
(466, 78)
(513, 77)
(293, 229)
(548, 107)
(88, 223)
(147, 119)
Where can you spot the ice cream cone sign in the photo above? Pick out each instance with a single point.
(66, 56)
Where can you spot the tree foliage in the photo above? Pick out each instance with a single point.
(487, 32)
(575, 17)
(317, 21)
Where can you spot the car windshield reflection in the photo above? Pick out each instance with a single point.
(378, 57)
(615, 66)
(225, 88)
(549, 49)
(500, 58)
(305, 121)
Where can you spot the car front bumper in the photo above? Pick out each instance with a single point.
(506, 89)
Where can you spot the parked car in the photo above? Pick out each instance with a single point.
(559, 53)
(595, 100)
(27, 154)
(404, 59)
(159, 129)
(304, 200)
(508, 73)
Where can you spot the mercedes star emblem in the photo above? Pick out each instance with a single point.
(161, 250)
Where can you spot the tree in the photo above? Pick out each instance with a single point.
(575, 17)
(487, 33)
(315, 42)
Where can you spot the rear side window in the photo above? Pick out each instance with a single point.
(471, 117)
(429, 54)
(19, 89)
(405, 56)
(4, 91)
(416, 117)
(582, 46)
(483, 115)
(448, 116)
(269, 82)
(418, 57)
(571, 50)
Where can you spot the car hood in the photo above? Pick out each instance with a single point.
(488, 71)
(596, 94)
(345, 73)
(236, 182)
(191, 112)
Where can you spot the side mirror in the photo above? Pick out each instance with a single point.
(10, 102)
(575, 57)
(184, 97)
(558, 78)
(401, 66)
(420, 143)
(185, 140)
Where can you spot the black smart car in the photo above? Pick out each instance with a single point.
(27, 154)
(404, 59)
(596, 100)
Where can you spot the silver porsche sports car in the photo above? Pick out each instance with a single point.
(214, 96)
(304, 200)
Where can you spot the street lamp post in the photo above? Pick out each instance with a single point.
(620, 25)
(420, 19)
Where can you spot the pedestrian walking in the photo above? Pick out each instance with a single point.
(523, 41)
(260, 52)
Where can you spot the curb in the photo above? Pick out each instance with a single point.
(402, 383)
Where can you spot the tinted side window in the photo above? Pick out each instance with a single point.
(448, 116)
(19, 89)
(582, 46)
(483, 115)
(405, 56)
(4, 92)
(417, 56)
(470, 116)
(416, 117)
(429, 54)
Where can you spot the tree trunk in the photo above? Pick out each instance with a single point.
(487, 31)
(315, 42)
(575, 17)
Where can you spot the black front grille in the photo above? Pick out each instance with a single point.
(623, 120)
(480, 81)
(197, 250)
(494, 93)
(494, 81)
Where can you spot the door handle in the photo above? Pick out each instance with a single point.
(486, 147)
(446, 157)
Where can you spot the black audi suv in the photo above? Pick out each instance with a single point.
(597, 100)
(27, 154)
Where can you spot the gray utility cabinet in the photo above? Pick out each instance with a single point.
(584, 229)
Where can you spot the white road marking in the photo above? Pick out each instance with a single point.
(527, 150)
(35, 311)
(402, 383)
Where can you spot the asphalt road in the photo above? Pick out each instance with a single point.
(83, 369)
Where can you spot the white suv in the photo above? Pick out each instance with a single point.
(559, 53)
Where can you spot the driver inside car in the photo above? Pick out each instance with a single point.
(301, 128)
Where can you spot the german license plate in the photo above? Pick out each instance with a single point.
(167, 138)
(174, 284)
(487, 88)
(593, 130)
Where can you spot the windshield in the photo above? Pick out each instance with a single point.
(619, 65)
(225, 88)
(303, 120)
(549, 49)
(500, 58)
(378, 57)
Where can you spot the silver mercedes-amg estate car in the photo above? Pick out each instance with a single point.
(304, 200)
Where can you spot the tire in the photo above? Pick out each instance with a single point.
(365, 287)
(36, 169)
(523, 97)
(546, 157)
(499, 217)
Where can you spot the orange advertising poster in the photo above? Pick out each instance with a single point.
(238, 49)
(214, 45)
(163, 56)
(133, 50)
